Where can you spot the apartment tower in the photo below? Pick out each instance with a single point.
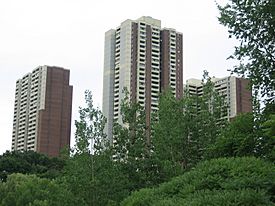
(42, 111)
(235, 91)
(143, 58)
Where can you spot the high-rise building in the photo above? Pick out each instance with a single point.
(42, 111)
(143, 58)
(235, 91)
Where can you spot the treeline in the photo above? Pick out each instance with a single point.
(234, 158)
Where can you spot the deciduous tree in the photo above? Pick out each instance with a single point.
(186, 127)
(252, 22)
(90, 173)
(29, 162)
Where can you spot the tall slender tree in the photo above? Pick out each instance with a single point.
(131, 146)
(90, 172)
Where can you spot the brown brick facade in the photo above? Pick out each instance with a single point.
(165, 63)
(179, 66)
(148, 80)
(243, 96)
(165, 59)
(54, 126)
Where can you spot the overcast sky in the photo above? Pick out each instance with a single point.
(70, 34)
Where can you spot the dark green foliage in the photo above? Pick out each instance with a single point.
(268, 135)
(269, 126)
(29, 162)
(95, 179)
(240, 138)
(111, 184)
(90, 173)
(184, 133)
(132, 147)
(232, 181)
(27, 190)
(252, 22)
(269, 109)
(243, 137)
(268, 120)
(187, 127)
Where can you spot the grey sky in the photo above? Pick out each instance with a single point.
(70, 34)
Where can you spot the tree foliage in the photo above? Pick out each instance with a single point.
(29, 162)
(90, 173)
(252, 22)
(240, 138)
(233, 181)
(183, 133)
(186, 127)
(132, 147)
(244, 137)
(90, 134)
(269, 126)
(130, 134)
(30, 190)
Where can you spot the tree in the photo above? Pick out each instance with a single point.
(268, 119)
(130, 134)
(238, 139)
(169, 136)
(269, 126)
(24, 190)
(132, 147)
(102, 183)
(268, 134)
(244, 137)
(90, 173)
(79, 172)
(252, 22)
(233, 181)
(186, 127)
(29, 162)
(90, 128)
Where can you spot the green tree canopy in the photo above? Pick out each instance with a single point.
(252, 22)
(90, 173)
(29, 162)
(186, 127)
(244, 137)
(30, 190)
(132, 147)
(240, 138)
(233, 181)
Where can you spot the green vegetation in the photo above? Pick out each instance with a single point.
(192, 158)
(29, 162)
(186, 128)
(253, 24)
(22, 189)
(212, 161)
(225, 181)
(90, 173)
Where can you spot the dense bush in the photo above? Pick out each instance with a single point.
(232, 181)
(20, 190)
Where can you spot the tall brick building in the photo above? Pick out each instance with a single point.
(42, 111)
(146, 59)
